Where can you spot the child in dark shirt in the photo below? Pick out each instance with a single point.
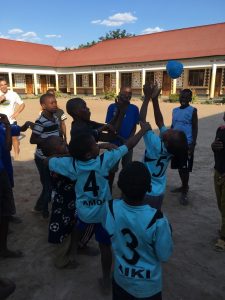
(218, 147)
(78, 110)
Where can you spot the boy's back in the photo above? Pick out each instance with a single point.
(141, 238)
(92, 188)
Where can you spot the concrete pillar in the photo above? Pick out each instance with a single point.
(117, 82)
(143, 80)
(94, 83)
(10, 81)
(186, 77)
(35, 84)
(56, 82)
(174, 86)
(213, 81)
(68, 83)
(75, 83)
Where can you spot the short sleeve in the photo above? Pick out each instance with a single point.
(162, 130)
(108, 221)
(163, 239)
(113, 156)
(137, 115)
(63, 166)
(109, 114)
(152, 141)
(15, 130)
(18, 100)
(38, 128)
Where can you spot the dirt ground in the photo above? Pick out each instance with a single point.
(194, 272)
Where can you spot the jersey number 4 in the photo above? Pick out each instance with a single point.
(91, 185)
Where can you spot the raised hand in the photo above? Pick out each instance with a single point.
(145, 126)
(148, 89)
(155, 91)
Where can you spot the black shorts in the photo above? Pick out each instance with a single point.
(119, 293)
(186, 164)
(7, 204)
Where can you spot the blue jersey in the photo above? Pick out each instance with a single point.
(5, 153)
(130, 120)
(141, 239)
(92, 188)
(156, 160)
(2, 146)
(182, 120)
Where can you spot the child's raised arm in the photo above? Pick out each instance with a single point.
(132, 142)
(157, 112)
(147, 88)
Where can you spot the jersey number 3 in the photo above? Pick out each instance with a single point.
(91, 185)
(131, 245)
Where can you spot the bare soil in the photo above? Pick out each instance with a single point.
(194, 272)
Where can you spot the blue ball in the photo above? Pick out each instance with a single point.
(174, 68)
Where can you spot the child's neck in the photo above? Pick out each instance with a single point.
(48, 114)
(80, 120)
(184, 106)
(133, 202)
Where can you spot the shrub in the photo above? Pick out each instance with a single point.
(174, 98)
(58, 94)
(110, 95)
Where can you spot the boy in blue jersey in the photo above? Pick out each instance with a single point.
(7, 204)
(160, 149)
(185, 118)
(127, 127)
(141, 238)
(90, 171)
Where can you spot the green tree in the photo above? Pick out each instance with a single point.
(116, 34)
(87, 44)
(113, 34)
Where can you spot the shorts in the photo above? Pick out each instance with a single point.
(7, 204)
(187, 163)
(126, 159)
(101, 235)
(120, 294)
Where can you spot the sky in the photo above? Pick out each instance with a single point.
(69, 23)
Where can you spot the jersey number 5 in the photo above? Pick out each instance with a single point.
(91, 185)
(160, 163)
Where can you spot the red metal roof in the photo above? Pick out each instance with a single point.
(201, 41)
(27, 54)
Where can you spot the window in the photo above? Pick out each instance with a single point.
(51, 80)
(5, 76)
(19, 80)
(126, 79)
(79, 80)
(90, 79)
(149, 77)
(196, 77)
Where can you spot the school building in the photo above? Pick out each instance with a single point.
(33, 68)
